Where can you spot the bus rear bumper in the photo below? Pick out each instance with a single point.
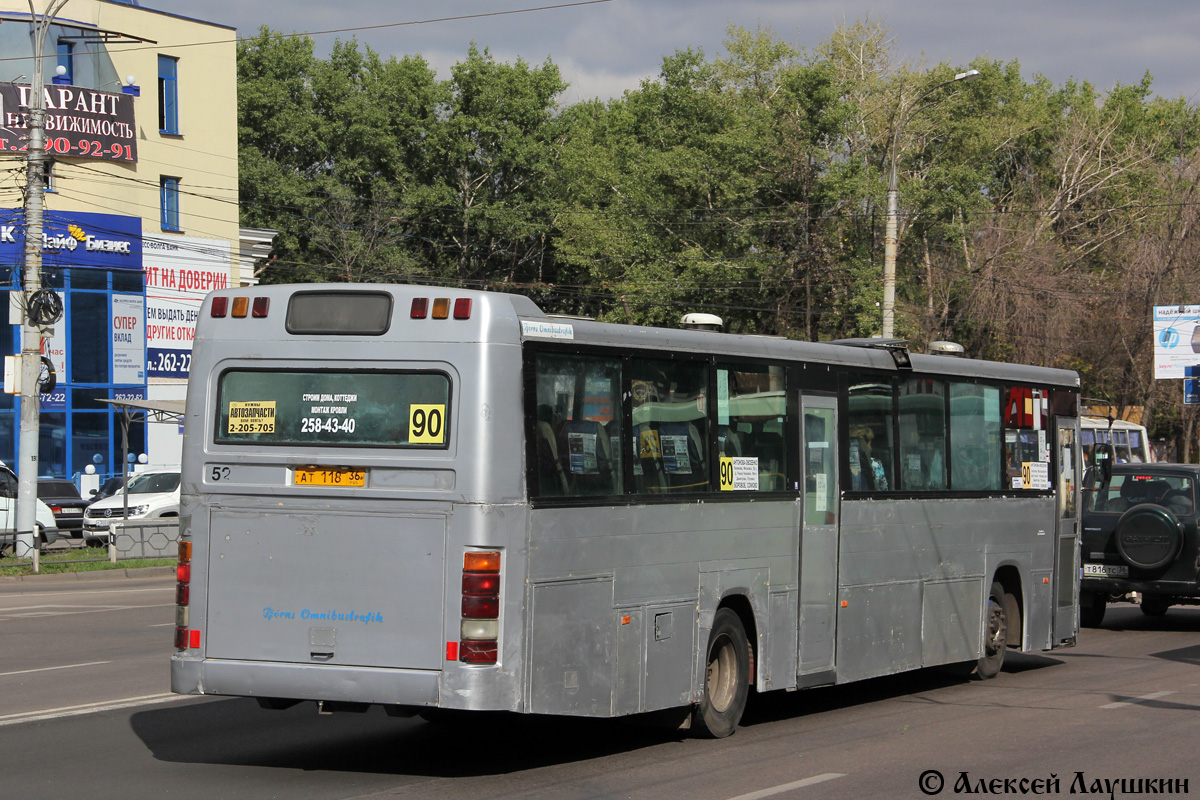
(409, 687)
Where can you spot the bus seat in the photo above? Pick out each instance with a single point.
(685, 471)
(768, 446)
(730, 441)
(551, 479)
(586, 457)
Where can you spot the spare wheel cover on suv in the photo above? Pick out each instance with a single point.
(1148, 537)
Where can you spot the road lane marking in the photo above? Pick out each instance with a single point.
(26, 613)
(59, 592)
(47, 669)
(787, 787)
(89, 708)
(1134, 700)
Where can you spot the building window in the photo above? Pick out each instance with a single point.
(169, 191)
(168, 94)
(66, 57)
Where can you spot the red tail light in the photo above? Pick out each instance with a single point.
(478, 652)
(479, 628)
(184, 637)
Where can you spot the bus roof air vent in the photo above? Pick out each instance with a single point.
(946, 349)
(697, 321)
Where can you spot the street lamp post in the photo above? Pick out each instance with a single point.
(891, 235)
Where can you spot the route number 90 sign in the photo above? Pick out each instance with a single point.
(426, 424)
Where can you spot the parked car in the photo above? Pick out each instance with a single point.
(47, 528)
(65, 503)
(107, 489)
(152, 494)
(1140, 539)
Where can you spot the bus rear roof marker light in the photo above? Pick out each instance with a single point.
(259, 309)
(462, 308)
(241, 305)
(420, 308)
(441, 307)
(219, 307)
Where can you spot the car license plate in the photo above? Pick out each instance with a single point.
(329, 476)
(1105, 571)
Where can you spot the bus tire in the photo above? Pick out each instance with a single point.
(1091, 609)
(995, 635)
(726, 677)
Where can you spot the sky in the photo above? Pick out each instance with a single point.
(604, 48)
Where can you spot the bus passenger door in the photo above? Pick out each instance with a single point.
(818, 540)
(1066, 557)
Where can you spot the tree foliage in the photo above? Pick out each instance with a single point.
(1039, 223)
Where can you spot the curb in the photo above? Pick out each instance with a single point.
(92, 575)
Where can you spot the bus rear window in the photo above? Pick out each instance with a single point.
(366, 409)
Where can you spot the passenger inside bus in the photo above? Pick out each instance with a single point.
(867, 473)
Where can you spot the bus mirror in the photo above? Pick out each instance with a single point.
(1104, 460)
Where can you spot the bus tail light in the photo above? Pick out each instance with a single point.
(479, 628)
(184, 637)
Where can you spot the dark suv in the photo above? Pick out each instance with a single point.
(1139, 535)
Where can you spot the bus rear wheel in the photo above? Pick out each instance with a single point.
(995, 635)
(726, 677)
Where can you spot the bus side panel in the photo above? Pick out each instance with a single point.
(915, 575)
(665, 567)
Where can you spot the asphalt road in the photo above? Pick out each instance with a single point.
(85, 711)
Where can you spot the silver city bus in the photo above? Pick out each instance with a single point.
(431, 498)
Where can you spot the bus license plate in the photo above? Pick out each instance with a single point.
(1105, 571)
(329, 476)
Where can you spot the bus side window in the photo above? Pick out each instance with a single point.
(750, 420)
(670, 421)
(577, 415)
(869, 452)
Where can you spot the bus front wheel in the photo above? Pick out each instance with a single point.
(726, 677)
(995, 635)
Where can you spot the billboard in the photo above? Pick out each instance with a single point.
(180, 271)
(75, 239)
(80, 122)
(1176, 340)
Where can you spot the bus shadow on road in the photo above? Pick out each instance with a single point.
(236, 732)
(779, 706)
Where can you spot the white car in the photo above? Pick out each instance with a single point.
(152, 494)
(47, 528)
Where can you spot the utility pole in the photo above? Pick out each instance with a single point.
(891, 236)
(31, 334)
